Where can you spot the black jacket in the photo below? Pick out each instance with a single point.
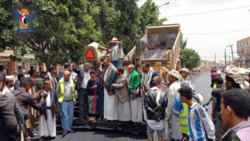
(80, 74)
(151, 105)
(8, 123)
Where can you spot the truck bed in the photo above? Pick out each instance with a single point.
(155, 54)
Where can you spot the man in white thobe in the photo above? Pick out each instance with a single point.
(135, 100)
(110, 76)
(174, 79)
(47, 120)
(122, 96)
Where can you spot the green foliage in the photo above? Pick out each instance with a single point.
(63, 27)
(148, 15)
(105, 19)
(183, 43)
(190, 58)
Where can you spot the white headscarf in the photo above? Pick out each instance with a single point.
(175, 74)
(240, 76)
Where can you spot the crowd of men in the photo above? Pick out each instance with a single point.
(175, 111)
(171, 110)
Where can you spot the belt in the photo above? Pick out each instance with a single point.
(49, 107)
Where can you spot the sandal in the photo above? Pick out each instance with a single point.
(29, 138)
(41, 139)
(72, 131)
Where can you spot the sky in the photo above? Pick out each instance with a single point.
(236, 19)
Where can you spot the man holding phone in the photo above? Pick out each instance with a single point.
(47, 119)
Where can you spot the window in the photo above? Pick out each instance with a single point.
(247, 42)
(243, 43)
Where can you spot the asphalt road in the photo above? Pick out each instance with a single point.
(202, 85)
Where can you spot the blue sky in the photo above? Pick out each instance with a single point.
(208, 44)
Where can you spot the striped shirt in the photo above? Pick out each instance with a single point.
(200, 125)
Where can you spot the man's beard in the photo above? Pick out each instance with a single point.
(2, 87)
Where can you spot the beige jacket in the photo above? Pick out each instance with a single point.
(121, 89)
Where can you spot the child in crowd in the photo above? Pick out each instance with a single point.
(200, 125)
(92, 87)
(100, 93)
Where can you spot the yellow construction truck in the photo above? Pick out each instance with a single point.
(160, 46)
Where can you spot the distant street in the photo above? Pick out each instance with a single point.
(202, 85)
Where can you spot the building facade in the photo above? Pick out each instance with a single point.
(27, 62)
(243, 49)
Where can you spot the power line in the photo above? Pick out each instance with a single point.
(244, 26)
(198, 13)
(240, 26)
(215, 32)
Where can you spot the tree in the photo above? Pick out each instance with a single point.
(126, 26)
(62, 29)
(8, 37)
(106, 19)
(190, 58)
(148, 15)
(183, 43)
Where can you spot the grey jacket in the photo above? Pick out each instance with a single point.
(8, 123)
(17, 110)
(121, 89)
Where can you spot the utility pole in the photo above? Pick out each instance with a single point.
(231, 51)
(215, 59)
(229, 60)
(225, 58)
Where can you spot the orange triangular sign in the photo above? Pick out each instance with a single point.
(90, 54)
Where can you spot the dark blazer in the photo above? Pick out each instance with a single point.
(8, 123)
(80, 74)
(53, 106)
(60, 75)
(17, 110)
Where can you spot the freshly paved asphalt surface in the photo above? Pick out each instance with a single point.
(202, 85)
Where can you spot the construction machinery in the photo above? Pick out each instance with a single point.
(160, 47)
